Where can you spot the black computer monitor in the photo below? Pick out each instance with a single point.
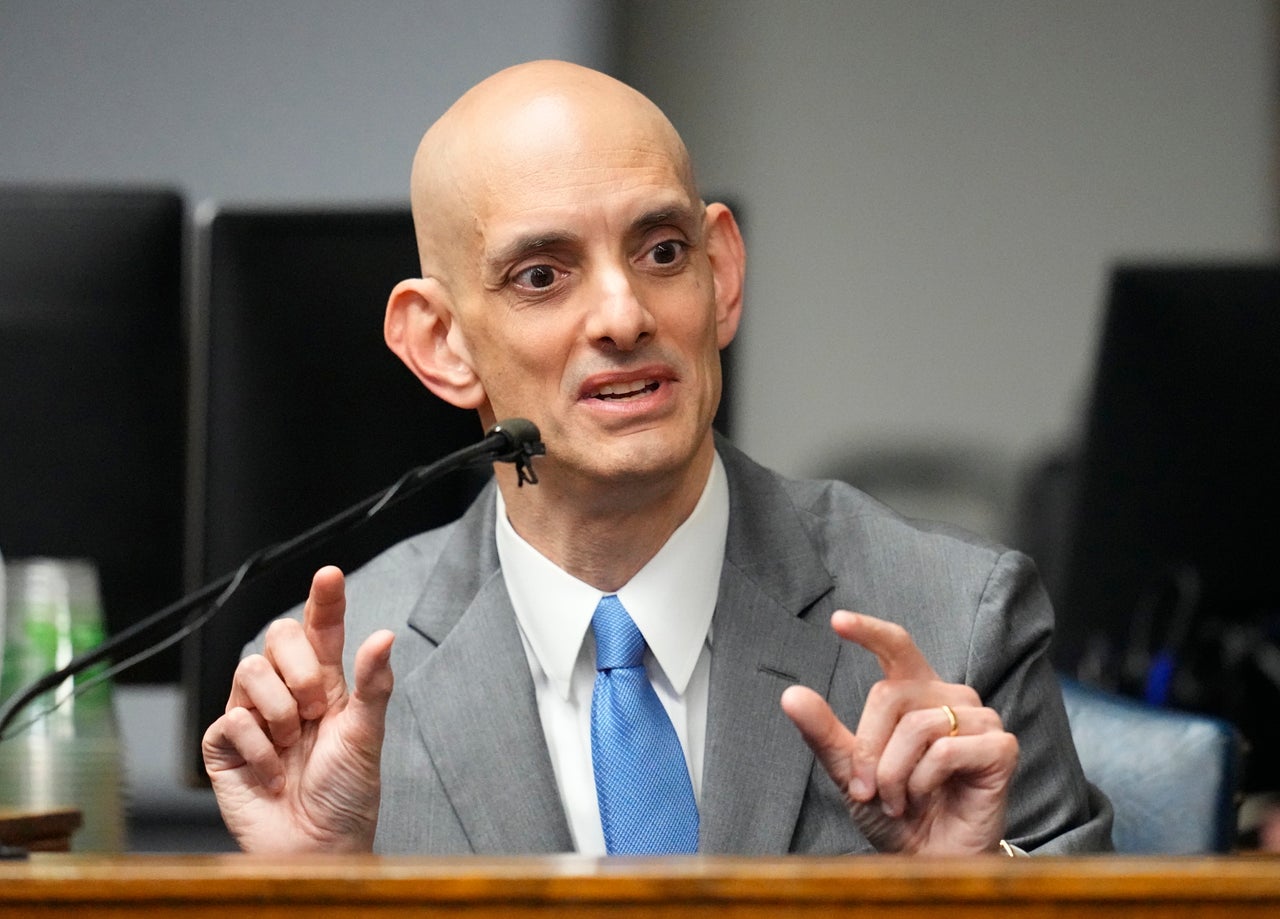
(299, 410)
(1169, 590)
(92, 391)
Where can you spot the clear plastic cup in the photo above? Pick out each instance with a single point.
(64, 749)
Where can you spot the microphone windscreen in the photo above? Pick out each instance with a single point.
(520, 432)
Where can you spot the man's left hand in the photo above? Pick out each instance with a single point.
(928, 770)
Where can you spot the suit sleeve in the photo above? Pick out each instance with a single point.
(1052, 808)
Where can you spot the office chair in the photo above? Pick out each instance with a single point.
(1172, 776)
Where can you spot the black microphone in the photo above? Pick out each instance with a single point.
(515, 440)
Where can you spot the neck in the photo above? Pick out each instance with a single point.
(602, 533)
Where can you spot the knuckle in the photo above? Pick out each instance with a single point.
(919, 720)
(1012, 748)
(971, 697)
(253, 667)
(897, 631)
(896, 636)
(944, 751)
(227, 732)
(251, 674)
(280, 710)
(882, 692)
(240, 721)
(282, 630)
(214, 736)
(888, 775)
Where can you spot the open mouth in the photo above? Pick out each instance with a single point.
(616, 392)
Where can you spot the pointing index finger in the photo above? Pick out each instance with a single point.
(322, 617)
(892, 645)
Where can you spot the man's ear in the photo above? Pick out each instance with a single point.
(419, 328)
(728, 256)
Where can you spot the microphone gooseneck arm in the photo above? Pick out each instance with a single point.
(515, 440)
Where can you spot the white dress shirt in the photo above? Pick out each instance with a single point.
(671, 600)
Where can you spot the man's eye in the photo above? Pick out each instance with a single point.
(538, 277)
(666, 253)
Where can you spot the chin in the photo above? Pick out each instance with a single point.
(646, 457)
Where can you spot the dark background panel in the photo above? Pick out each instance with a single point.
(93, 390)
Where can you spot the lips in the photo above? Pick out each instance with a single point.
(630, 389)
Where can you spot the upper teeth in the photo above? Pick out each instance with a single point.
(623, 389)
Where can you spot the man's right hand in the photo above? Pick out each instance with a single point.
(295, 759)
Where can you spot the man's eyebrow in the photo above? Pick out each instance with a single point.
(527, 244)
(678, 214)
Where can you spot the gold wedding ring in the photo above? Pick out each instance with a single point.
(955, 722)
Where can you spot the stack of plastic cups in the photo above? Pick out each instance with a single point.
(64, 749)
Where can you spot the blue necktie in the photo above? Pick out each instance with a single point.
(642, 782)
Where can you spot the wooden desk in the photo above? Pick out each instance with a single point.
(569, 887)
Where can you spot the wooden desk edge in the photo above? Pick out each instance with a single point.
(48, 879)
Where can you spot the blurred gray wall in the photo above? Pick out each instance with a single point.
(248, 101)
(934, 191)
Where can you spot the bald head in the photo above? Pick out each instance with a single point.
(516, 128)
(572, 276)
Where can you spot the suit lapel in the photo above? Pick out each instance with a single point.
(757, 766)
(473, 699)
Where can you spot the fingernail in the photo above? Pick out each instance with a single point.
(276, 785)
(858, 789)
(313, 711)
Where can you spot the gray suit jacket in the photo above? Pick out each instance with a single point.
(465, 766)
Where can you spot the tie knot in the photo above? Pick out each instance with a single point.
(618, 642)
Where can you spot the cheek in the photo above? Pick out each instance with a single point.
(520, 357)
(698, 330)
(696, 315)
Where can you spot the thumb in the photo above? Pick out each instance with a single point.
(367, 706)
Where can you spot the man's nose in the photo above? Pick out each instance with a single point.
(620, 317)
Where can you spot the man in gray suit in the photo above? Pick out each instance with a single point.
(572, 275)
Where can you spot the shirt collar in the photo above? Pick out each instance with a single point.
(671, 599)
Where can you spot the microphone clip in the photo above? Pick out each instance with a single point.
(523, 456)
(522, 445)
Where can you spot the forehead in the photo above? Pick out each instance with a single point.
(550, 162)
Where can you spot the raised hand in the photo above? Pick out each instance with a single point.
(928, 770)
(295, 759)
